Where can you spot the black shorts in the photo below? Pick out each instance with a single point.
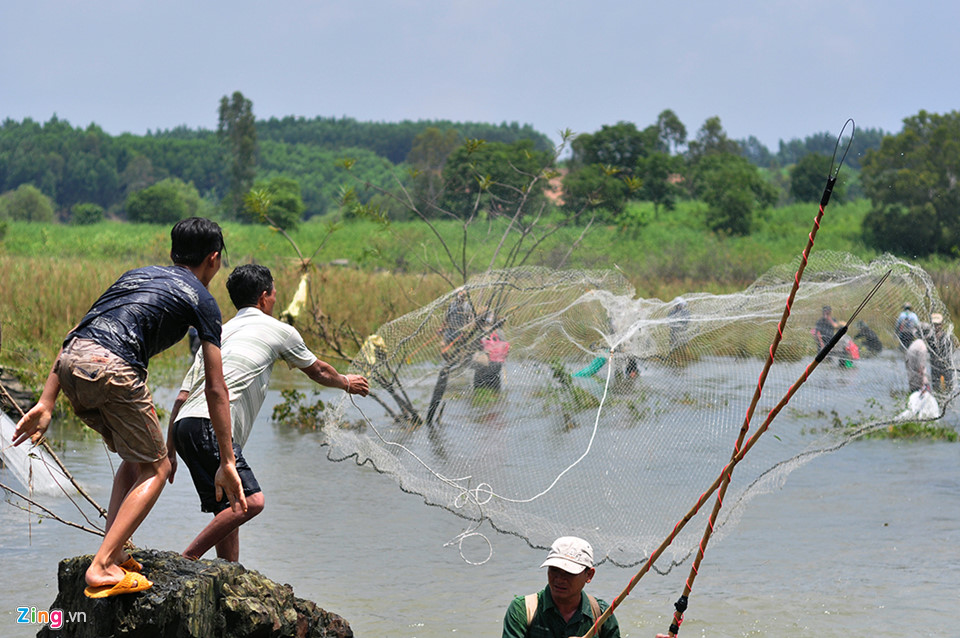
(197, 446)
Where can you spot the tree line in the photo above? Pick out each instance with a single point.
(438, 169)
(73, 166)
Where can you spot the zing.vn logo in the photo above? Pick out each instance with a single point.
(55, 617)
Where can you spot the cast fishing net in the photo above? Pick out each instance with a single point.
(607, 416)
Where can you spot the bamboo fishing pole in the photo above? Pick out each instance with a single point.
(728, 469)
(681, 604)
(777, 338)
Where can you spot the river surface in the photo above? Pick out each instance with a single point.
(864, 541)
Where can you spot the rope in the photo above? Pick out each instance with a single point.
(484, 492)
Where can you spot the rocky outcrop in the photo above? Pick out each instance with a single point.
(190, 599)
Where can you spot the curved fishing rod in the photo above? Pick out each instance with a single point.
(728, 469)
(681, 604)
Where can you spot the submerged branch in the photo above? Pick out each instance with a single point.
(47, 512)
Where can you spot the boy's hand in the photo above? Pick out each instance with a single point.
(32, 425)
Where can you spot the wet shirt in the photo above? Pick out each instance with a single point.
(548, 623)
(147, 310)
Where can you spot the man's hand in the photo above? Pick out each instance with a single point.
(227, 481)
(357, 384)
(33, 424)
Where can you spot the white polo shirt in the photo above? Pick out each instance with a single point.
(252, 341)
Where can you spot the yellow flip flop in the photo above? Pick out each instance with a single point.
(131, 565)
(131, 583)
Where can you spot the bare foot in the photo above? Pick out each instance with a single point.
(97, 576)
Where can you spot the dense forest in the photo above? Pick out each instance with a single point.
(53, 171)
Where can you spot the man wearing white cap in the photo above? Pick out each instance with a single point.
(561, 609)
(941, 355)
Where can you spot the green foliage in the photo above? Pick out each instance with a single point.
(150, 159)
(567, 396)
(26, 203)
(166, 202)
(281, 203)
(71, 165)
(392, 141)
(620, 146)
(494, 177)
(320, 172)
(808, 178)
(635, 218)
(596, 188)
(427, 159)
(711, 140)
(671, 132)
(912, 430)
(755, 151)
(912, 182)
(237, 132)
(825, 143)
(86, 213)
(292, 411)
(657, 171)
(733, 190)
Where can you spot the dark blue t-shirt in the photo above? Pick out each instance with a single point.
(147, 310)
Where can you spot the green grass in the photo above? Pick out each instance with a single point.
(52, 273)
(913, 430)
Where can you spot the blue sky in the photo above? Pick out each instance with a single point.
(770, 68)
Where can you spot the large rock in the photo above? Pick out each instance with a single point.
(190, 598)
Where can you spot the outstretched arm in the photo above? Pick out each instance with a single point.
(326, 375)
(34, 423)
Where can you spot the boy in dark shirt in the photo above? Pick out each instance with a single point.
(102, 370)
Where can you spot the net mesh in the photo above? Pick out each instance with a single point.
(607, 416)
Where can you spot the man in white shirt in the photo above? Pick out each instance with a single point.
(918, 360)
(251, 342)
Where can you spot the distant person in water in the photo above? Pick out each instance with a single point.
(459, 315)
(940, 345)
(252, 341)
(489, 361)
(102, 370)
(917, 362)
(826, 327)
(907, 326)
(868, 338)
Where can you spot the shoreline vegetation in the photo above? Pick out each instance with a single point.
(366, 276)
